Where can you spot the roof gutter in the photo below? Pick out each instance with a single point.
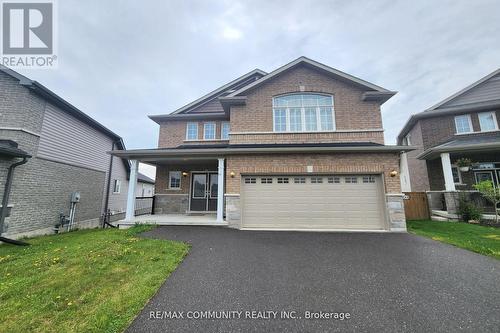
(58, 101)
(460, 109)
(152, 153)
(188, 116)
(429, 153)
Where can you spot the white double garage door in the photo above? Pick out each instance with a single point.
(313, 202)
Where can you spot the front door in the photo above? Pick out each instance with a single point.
(204, 192)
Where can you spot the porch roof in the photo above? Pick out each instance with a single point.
(10, 149)
(465, 144)
(219, 150)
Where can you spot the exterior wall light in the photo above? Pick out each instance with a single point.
(394, 173)
(232, 174)
(184, 174)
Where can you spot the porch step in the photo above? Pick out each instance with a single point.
(445, 214)
(442, 215)
(439, 218)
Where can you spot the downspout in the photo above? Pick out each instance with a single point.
(5, 201)
(108, 188)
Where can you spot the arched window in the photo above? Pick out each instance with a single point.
(303, 112)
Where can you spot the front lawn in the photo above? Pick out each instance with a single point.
(480, 239)
(82, 281)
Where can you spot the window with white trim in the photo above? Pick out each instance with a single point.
(224, 131)
(209, 131)
(174, 180)
(463, 124)
(487, 121)
(192, 131)
(117, 186)
(457, 177)
(305, 112)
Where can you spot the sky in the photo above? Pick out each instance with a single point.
(120, 61)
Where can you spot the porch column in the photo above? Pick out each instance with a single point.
(404, 173)
(130, 212)
(220, 191)
(449, 184)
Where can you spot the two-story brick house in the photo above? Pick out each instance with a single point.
(464, 125)
(301, 147)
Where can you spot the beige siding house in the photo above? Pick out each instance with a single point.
(300, 148)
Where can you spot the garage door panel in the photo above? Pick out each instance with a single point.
(312, 205)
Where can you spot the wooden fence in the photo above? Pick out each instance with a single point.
(416, 206)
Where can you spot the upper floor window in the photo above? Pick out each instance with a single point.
(192, 131)
(463, 124)
(488, 121)
(303, 113)
(224, 131)
(209, 131)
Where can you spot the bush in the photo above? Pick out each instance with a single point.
(468, 210)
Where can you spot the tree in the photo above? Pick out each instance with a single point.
(491, 194)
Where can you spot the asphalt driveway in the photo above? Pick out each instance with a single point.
(386, 282)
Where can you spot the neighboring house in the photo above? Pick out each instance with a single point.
(118, 193)
(301, 147)
(464, 125)
(68, 154)
(145, 186)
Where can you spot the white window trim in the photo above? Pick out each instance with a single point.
(460, 182)
(119, 183)
(205, 131)
(494, 120)
(470, 124)
(303, 117)
(170, 181)
(227, 123)
(187, 131)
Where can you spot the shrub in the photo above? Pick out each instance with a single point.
(491, 193)
(468, 210)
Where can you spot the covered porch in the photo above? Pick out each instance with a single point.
(449, 182)
(189, 188)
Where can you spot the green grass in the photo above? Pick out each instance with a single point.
(476, 238)
(82, 281)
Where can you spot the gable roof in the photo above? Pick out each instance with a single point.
(466, 100)
(374, 89)
(65, 106)
(142, 178)
(458, 97)
(238, 82)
